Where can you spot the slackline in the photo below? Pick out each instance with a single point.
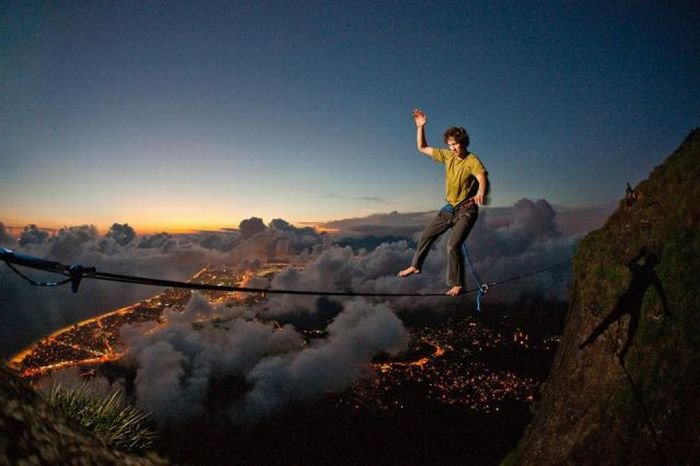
(76, 273)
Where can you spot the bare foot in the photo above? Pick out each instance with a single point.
(409, 271)
(454, 291)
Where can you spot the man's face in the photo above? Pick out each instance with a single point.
(455, 146)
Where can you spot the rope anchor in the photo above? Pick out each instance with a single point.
(76, 275)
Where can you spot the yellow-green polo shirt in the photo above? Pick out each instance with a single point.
(460, 181)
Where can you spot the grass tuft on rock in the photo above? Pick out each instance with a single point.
(107, 415)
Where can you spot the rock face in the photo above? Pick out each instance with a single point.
(630, 395)
(32, 433)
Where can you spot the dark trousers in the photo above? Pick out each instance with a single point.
(461, 221)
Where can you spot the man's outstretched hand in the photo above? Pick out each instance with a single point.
(419, 117)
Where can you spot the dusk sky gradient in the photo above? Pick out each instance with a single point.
(186, 115)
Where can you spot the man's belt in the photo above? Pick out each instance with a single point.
(465, 203)
(450, 209)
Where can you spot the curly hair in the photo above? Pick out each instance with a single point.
(459, 134)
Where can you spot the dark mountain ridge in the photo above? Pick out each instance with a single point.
(623, 387)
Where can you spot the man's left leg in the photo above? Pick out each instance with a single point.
(435, 228)
(464, 222)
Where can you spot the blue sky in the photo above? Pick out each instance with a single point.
(172, 115)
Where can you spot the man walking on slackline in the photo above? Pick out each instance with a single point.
(465, 185)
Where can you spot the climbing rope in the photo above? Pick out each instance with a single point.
(482, 288)
(34, 282)
(76, 273)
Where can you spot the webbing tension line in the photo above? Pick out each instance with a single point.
(76, 273)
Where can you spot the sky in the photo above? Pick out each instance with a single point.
(196, 115)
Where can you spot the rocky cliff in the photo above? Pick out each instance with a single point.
(31, 432)
(624, 384)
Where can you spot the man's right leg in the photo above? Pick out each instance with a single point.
(438, 226)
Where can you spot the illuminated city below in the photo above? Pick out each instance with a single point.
(458, 362)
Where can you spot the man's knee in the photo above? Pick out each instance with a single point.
(454, 248)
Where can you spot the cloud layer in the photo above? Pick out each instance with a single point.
(258, 353)
(28, 312)
(266, 365)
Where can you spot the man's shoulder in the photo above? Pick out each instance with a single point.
(441, 154)
(476, 163)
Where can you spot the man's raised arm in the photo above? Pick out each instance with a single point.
(421, 144)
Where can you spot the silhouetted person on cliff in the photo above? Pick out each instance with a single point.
(630, 197)
(643, 276)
